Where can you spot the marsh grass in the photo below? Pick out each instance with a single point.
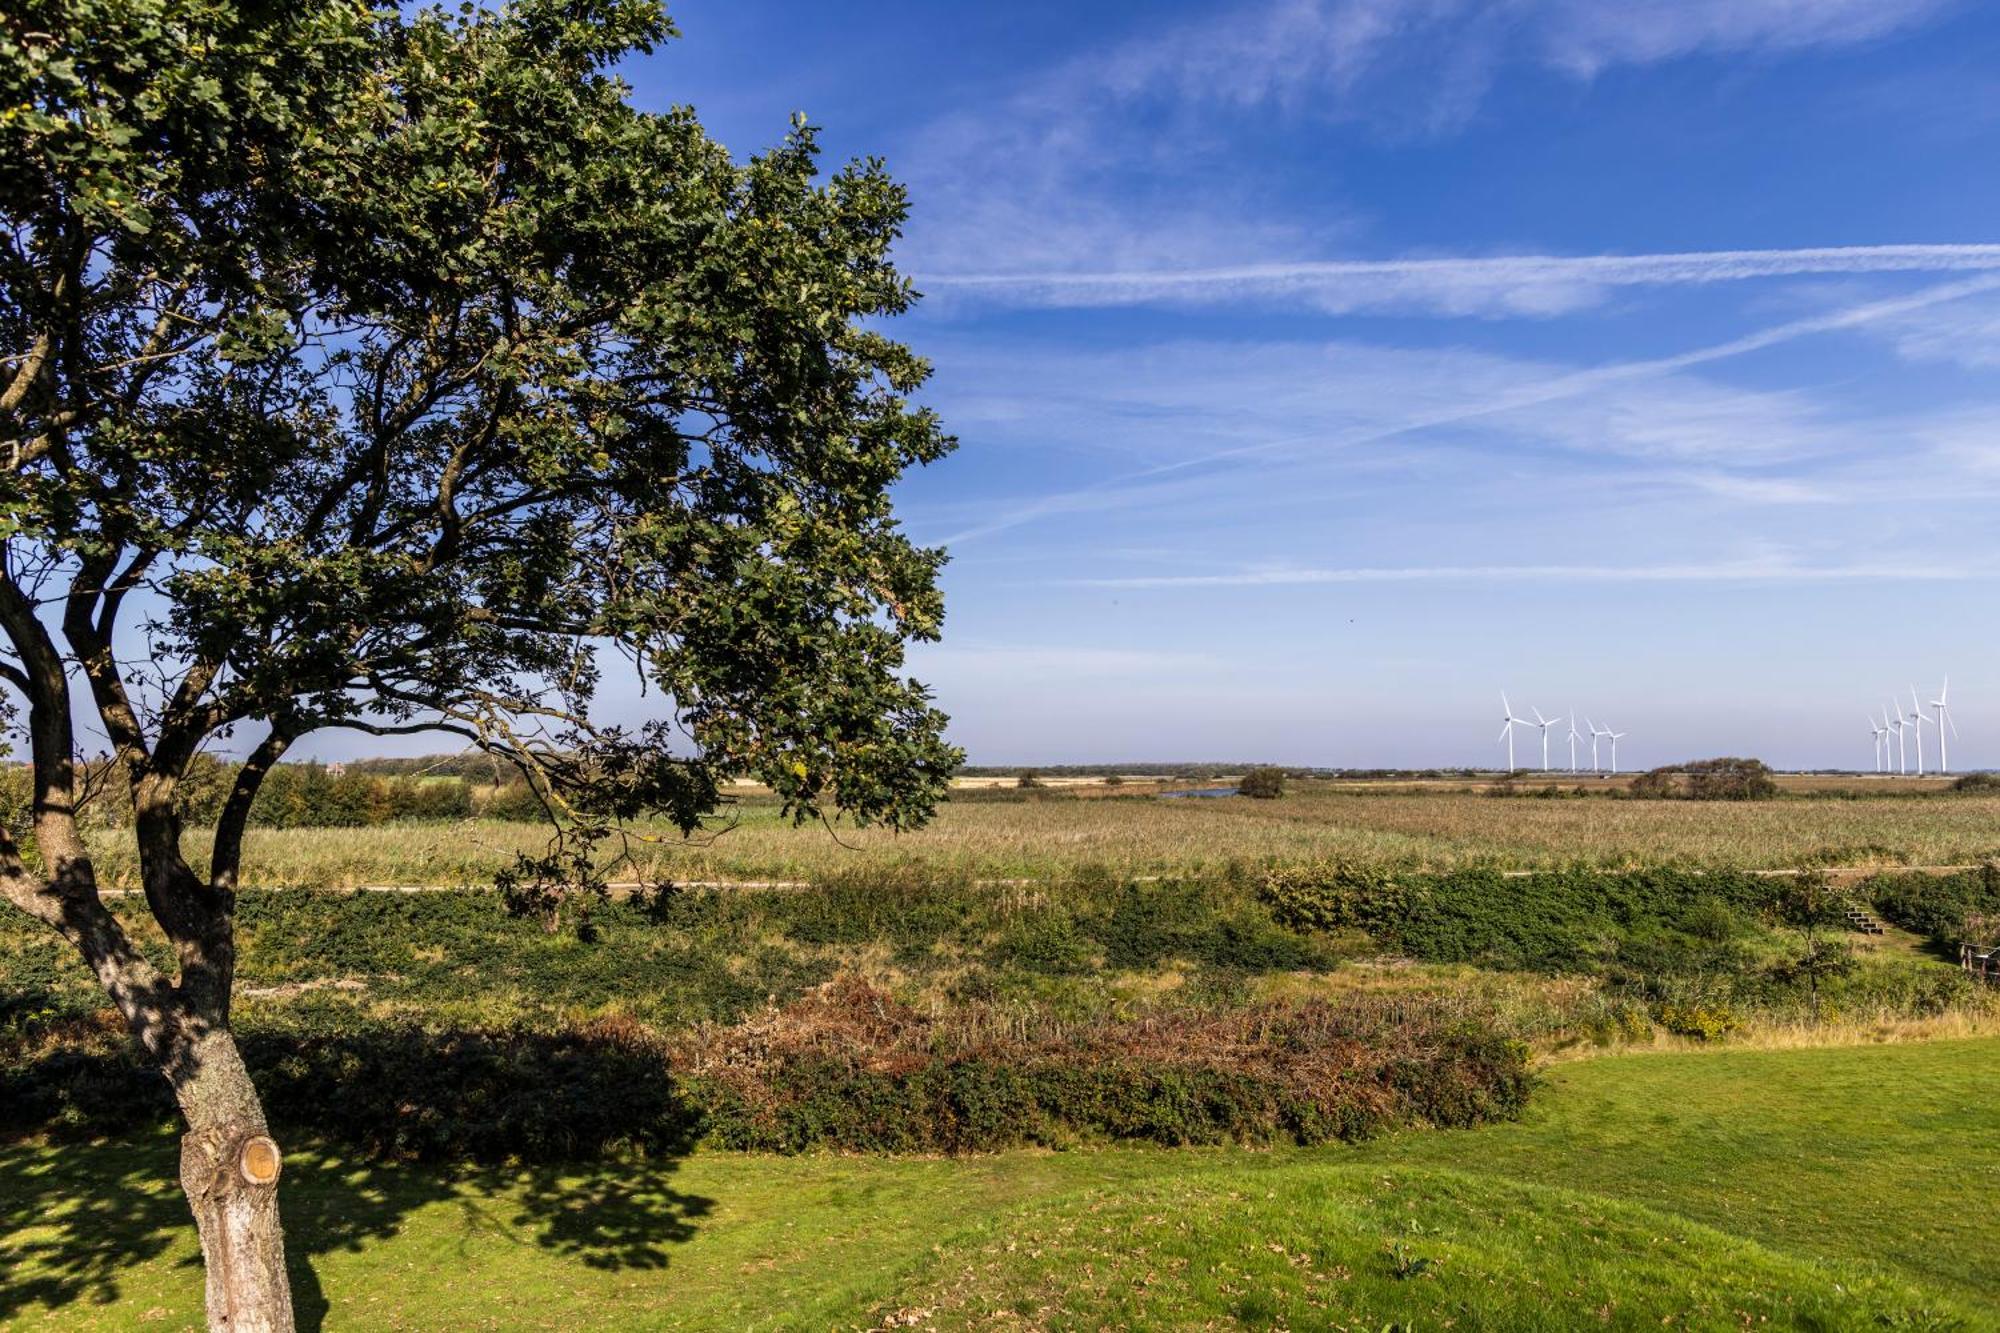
(1427, 829)
(1880, 1027)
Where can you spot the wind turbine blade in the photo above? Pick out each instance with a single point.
(1504, 730)
(1948, 721)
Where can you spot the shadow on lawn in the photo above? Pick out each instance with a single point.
(112, 1205)
(353, 1111)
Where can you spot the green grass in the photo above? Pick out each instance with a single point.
(1344, 1247)
(1842, 1154)
(1823, 1188)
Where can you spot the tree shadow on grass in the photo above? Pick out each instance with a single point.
(611, 1215)
(99, 1209)
(77, 1217)
(96, 1209)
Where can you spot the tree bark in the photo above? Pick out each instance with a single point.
(229, 1163)
(229, 1170)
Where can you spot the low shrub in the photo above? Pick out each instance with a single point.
(1265, 783)
(1940, 907)
(1725, 779)
(844, 1067)
(1702, 1021)
(1659, 784)
(1046, 942)
(1901, 987)
(1331, 895)
(1571, 920)
(849, 1068)
(1729, 779)
(1620, 1022)
(1547, 921)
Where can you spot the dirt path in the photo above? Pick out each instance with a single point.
(1839, 874)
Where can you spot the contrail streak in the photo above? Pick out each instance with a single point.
(1522, 282)
(1532, 395)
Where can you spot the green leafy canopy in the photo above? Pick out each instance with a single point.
(410, 374)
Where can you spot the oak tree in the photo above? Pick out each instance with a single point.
(393, 372)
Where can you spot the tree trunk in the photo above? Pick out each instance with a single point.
(229, 1169)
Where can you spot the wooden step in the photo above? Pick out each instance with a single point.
(1865, 921)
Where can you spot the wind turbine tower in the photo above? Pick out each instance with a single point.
(1573, 738)
(1881, 735)
(1895, 721)
(1596, 734)
(1943, 722)
(1544, 723)
(1508, 723)
(1917, 723)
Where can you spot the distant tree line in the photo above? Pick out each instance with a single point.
(312, 795)
(1193, 771)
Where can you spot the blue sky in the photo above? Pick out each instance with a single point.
(1324, 367)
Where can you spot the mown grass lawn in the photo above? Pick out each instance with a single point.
(1827, 1188)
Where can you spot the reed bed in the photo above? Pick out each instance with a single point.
(1142, 835)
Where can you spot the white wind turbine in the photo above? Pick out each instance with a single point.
(1917, 724)
(1573, 739)
(1943, 722)
(1544, 723)
(1508, 723)
(1596, 734)
(1895, 721)
(1881, 735)
(1616, 736)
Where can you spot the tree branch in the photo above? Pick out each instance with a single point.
(226, 860)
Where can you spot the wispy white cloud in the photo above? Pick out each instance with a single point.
(1321, 56)
(1755, 570)
(1587, 36)
(1966, 333)
(1966, 440)
(1762, 490)
(1496, 285)
(1624, 409)
(1129, 155)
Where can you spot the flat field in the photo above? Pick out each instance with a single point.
(1032, 835)
(1735, 1165)
(1824, 1189)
